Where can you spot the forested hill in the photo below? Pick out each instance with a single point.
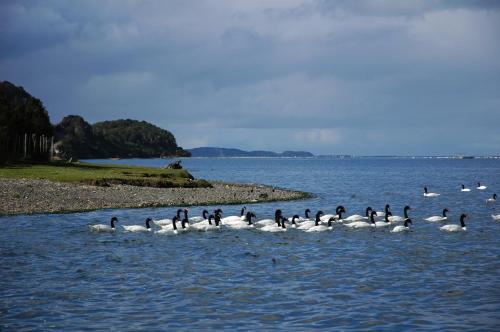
(118, 138)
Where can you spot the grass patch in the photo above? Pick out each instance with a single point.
(103, 175)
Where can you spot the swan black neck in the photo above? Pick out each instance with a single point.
(340, 209)
(277, 216)
(283, 223)
(463, 187)
(462, 220)
(494, 196)
(318, 215)
(204, 214)
(425, 190)
(185, 214)
(217, 219)
(367, 211)
(293, 219)
(148, 220)
(372, 217)
(387, 216)
(210, 218)
(174, 220)
(479, 184)
(249, 217)
(387, 208)
(407, 221)
(242, 212)
(179, 211)
(406, 211)
(444, 212)
(306, 213)
(113, 220)
(184, 222)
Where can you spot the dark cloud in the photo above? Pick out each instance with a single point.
(363, 77)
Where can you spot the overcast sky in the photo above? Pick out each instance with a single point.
(357, 77)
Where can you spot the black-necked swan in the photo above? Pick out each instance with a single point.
(169, 230)
(247, 224)
(204, 216)
(322, 228)
(230, 219)
(167, 221)
(464, 189)
(102, 228)
(311, 223)
(493, 199)
(480, 187)
(395, 219)
(386, 221)
(357, 217)
(138, 228)
(299, 219)
(280, 227)
(402, 228)
(428, 194)
(495, 216)
(205, 224)
(381, 214)
(363, 224)
(338, 211)
(454, 227)
(438, 218)
(269, 222)
(292, 221)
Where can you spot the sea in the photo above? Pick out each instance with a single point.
(56, 275)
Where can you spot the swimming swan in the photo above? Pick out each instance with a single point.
(270, 222)
(357, 217)
(322, 228)
(493, 199)
(244, 224)
(280, 227)
(438, 218)
(395, 219)
(165, 222)
(204, 216)
(169, 230)
(300, 219)
(454, 227)
(428, 194)
(311, 223)
(138, 228)
(495, 216)
(363, 224)
(387, 208)
(386, 221)
(337, 216)
(465, 189)
(101, 228)
(230, 219)
(480, 187)
(402, 228)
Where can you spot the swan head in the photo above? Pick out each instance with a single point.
(340, 209)
(387, 207)
(218, 212)
(407, 208)
(445, 210)
(148, 220)
(278, 212)
(179, 211)
(296, 216)
(242, 212)
(463, 186)
(318, 215)
(367, 211)
(494, 196)
(204, 214)
(113, 220)
(249, 217)
(425, 190)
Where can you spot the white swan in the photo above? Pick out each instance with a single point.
(230, 219)
(311, 223)
(101, 228)
(480, 187)
(322, 228)
(386, 221)
(402, 228)
(357, 217)
(337, 216)
(363, 224)
(454, 227)
(428, 194)
(493, 199)
(138, 228)
(270, 222)
(495, 216)
(395, 219)
(301, 219)
(464, 189)
(197, 219)
(207, 225)
(243, 224)
(169, 230)
(280, 227)
(438, 218)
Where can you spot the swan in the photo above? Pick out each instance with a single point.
(465, 189)
(280, 227)
(493, 199)
(438, 218)
(204, 216)
(294, 224)
(480, 187)
(206, 225)
(138, 228)
(244, 224)
(337, 216)
(402, 228)
(454, 227)
(387, 208)
(386, 221)
(230, 219)
(495, 216)
(357, 217)
(270, 222)
(428, 194)
(311, 223)
(169, 231)
(300, 219)
(363, 224)
(101, 228)
(395, 219)
(322, 228)
(165, 222)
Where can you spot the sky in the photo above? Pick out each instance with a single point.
(378, 77)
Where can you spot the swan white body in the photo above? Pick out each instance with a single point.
(436, 218)
(495, 216)
(359, 224)
(266, 222)
(465, 189)
(355, 217)
(396, 219)
(400, 228)
(101, 228)
(165, 231)
(481, 187)
(242, 225)
(273, 228)
(492, 199)
(431, 194)
(306, 225)
(319, 228)
(136, 228)
(382, 223)
(453, 228)
(162, 222)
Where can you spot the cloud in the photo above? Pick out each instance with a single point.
(361, 77)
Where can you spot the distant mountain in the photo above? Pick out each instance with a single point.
(224, 152)
(119, 138)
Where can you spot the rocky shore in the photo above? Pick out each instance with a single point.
(27, 196)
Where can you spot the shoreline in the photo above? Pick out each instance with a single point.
(31, 196)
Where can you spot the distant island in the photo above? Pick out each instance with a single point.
(227, 152)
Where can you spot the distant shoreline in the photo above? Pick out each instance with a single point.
(32, 196)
